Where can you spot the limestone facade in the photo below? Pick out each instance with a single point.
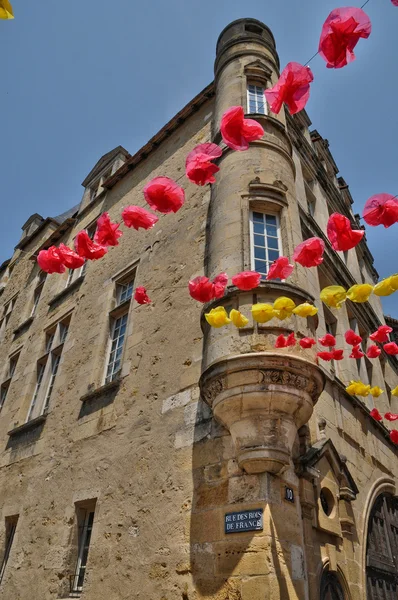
(195, 423)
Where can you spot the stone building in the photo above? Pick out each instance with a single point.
(146, 456)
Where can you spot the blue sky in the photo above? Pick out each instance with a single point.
(78, 79)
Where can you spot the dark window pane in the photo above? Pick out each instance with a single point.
(258, 227)
(272, 255)
(273, 243)
(271, 230)
(271, 220)
(259, 253)
(258, 217)
(260, 266)
(259, 240)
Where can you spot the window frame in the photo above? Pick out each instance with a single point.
(252, 244)
(256, 95)
(85, 530)
(114, 318)
(11, 526)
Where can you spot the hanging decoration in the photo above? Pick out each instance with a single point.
(107, 233)
(310, 252)
(340, 233)
(69, 258)
(376, 391)
(280, 269)
(136, 217)
(391, 348)
(141, 296)
(283, 307)
(237, 132)
(381, 335)
(341, 32)
(238, 319)
(394, 392)
(87, 248)
(51, 261)
(326, 356)
(357, 388)
(338, 354)
(203, 290)
(391, 417)
(386, 286)
(285, 342)
(357, 352)
(333, 296)
(292, 88)
(352, 338)
(381, 209)
(360, 292)
(6, 12)
(164, 195)
(262, 312)
(374, 413)
(217, 317)
(247, 280)
(305, 310)
(328, 340)
(198, 166)
(307, 342)
(373, 352)
(394, 436)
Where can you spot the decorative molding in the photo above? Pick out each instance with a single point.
(258, 71)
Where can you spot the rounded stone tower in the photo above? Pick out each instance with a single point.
(260, 394)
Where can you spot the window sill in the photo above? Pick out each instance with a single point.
(28, 426)
(103, 389)
(120, 309)
(23, 325)
(74, 285)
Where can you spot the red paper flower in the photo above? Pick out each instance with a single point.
(140, 296)
(247, 280)
(357, 352)
(204, 290)
(50, 260)
(327, 340)
(307, 342)
(107, 233)
(280, 269)
(381, 209)
(373, 352)
(70, 258)
(237, 131)
(374, 413)
(394, 2)
(291, 340)
(394, 436)
(337, 354)
(391, 416)
(341, 32)
(198, 167)
(310, 252)
(381, 335)
(352, 338)
(293, 88)
(391, 348)
(281, 342)
(87, 248)
(327, 356)
(164, 195)
(341, 235)
(135, 216)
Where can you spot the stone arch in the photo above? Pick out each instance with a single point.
(333, 584)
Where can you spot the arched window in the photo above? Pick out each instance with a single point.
(331, 588)
(382, 549)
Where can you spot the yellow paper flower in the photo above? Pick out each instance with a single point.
(305, 310)
(376, 391)
(283, 307)
(357, 388)
(360, 292)
(394, 392)
(262, 313)
(333, 296)
(387, 286)
(6, 10)
(238, 319)
(217, 317)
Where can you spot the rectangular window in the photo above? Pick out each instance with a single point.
(76, 273)
(124, 291)
(38, 290)
(7, 311)
(3, 393)
(118, 334)
(12, 365)
(11, 525)
(85, 520)
(47, 369)
(265, 241)
(256, 103)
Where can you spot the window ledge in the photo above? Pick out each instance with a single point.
(28, 426)
(23, 325)
(65, 292)
(120, 308)
(103, 389)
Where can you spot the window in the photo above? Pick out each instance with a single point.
(11, 525)
(124, 291)
(310, 197)
(76, 273)
(7, 310)
(85, 520)
(265, 241)
(47, 369)
(330, 587)
(256, 103)
(12, 365)
(38, 290)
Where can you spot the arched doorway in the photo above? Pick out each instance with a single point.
(382, 550)
(331, 588)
